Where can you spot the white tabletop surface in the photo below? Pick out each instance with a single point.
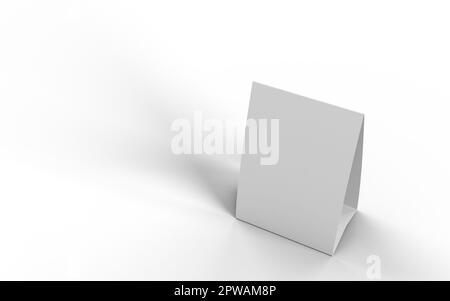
(89, 188)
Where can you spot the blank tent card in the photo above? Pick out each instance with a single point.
(311, 193)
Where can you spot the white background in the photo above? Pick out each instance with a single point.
(89, 188)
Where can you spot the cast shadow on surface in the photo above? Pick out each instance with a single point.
(215, 176)
(149, 149)
(218, 176)
(145, 106)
